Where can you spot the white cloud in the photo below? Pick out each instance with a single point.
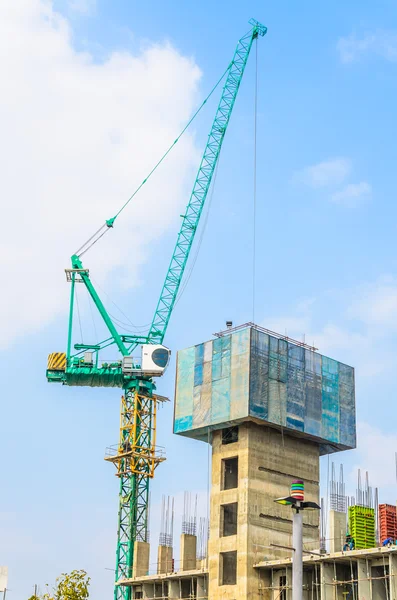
(77, 138)
(361, 334)
(332, 173)
(332, 339)
(375, 304)
(82, 6)
(353, 194)
(291, 326)
(376, 454)
(381, 43)
(326, 173)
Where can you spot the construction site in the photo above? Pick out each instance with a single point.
(283, 406)
(267, 406)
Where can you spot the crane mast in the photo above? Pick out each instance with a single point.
(136, 456)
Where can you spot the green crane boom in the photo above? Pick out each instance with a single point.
(135, 456)
(202, 184)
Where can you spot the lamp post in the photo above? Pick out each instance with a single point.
(297, 503)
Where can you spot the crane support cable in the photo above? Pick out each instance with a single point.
(109, 222)
(254, 184)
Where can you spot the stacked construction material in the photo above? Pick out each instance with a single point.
(387, 522)
(362, 526)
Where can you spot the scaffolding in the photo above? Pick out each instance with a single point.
(359, 574)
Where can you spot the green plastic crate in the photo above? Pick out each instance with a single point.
(362, 526)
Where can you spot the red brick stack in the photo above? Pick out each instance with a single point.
(387, 522)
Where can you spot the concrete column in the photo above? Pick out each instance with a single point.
(393, 576)
(148, 590)
(141, 559)
(188, 552)
(327, 582)
(378, 590)
(164, 559)
(307, 585)
(265, 584)
(288, 572)
(173, 589)
(202, 588)
(337, 530)
(363, 576)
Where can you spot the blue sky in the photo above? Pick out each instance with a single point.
(94, 92)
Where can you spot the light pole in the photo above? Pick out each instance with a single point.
(297, 503)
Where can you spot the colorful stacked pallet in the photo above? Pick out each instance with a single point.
(362, 526)
(387, 522)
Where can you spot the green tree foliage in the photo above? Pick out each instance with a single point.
(69, 586)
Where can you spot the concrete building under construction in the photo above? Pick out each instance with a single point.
(269, 407)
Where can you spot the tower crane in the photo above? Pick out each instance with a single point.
(135, 456)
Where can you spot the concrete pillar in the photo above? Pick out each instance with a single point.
(164, 559)
(327, 582)
(188, 552)
(141, 559)
(148, 590)
(265, 584)
(307, 584)
(288, 572)
(337, 530)
(173, 589)
(393, 576)
(201, 564)
(202, 591)
(363, 576)
(378, 590)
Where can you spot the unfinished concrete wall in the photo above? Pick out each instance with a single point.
(188, 551)
(393, 576)
(267, 462)
(327, 582)
(164, 559)
(337, 530)
(141, 559)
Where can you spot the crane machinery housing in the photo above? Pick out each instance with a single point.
(135, 456)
